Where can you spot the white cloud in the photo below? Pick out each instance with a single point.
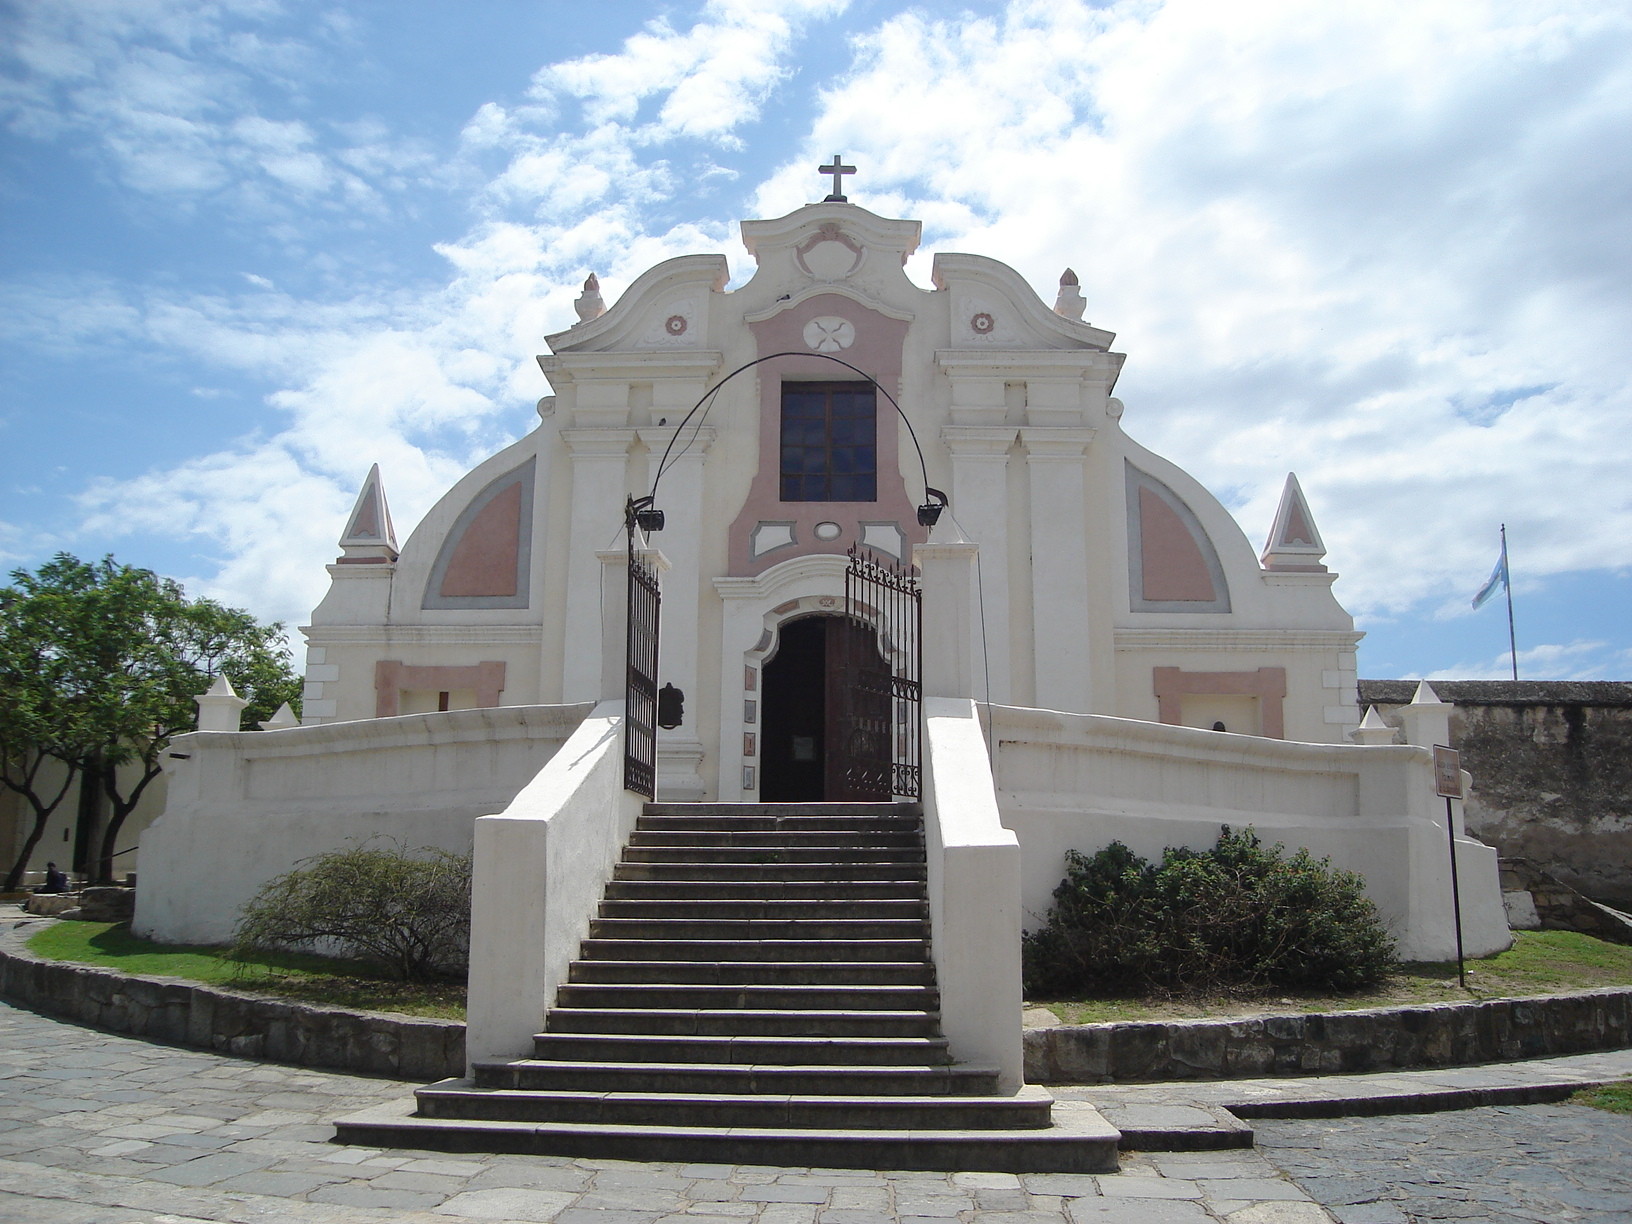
(1382, 245)
(1578, 660)
(1323, 233)
(168, 94)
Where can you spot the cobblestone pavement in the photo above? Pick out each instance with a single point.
(1549, 1163)
(103, 1129)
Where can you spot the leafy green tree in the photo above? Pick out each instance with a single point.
(105, 660)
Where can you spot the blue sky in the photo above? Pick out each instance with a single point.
(250, 247)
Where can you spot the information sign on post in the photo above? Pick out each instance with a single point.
(1448, 783)
(1448, 771)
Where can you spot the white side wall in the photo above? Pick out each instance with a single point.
(1071, 781)
(246, 806)
(974, 894)
(541, 866)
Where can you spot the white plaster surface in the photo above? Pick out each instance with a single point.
(1067, 781)
(246, 806)
(540, 868)
(974, 894)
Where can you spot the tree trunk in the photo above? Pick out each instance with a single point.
(88, 818)
(122, 807)
(42, 816)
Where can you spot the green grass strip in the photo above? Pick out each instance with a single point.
(1613, 1098)
(298, 975)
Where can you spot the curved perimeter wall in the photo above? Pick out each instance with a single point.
(245, 806)
(1081, 781)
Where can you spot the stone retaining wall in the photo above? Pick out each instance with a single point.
(1436, 1035)
(401, 1047)
(230, 1022)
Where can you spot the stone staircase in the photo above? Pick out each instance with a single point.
(757, 989)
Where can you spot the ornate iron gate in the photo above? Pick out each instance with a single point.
(640, 686)
(881, 712)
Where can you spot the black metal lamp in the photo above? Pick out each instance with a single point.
(645, 515)
(930, 512)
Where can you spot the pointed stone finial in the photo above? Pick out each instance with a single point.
(1372, 729)
(1425, 695)
(1070, 303)
(1294, 543)
(219, 707)
(369, 537)
(590, 303)
(1427, 720)
(285, 717)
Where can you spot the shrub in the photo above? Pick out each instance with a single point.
(1238, 917)
(409, 914)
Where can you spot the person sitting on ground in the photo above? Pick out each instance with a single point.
(55, 881)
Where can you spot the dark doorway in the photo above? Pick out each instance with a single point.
(826, 714)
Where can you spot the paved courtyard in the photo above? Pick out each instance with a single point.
(103, 1129)
(1549, 1163)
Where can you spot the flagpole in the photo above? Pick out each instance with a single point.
(1507, 585)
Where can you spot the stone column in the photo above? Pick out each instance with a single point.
(600, 486)
(980, 500)
(1059, 566)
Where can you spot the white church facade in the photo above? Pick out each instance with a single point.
(1093, 619)
(1110, 582)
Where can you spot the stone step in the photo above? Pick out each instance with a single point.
(765, 890)
(736, 910)
(780, 839)
(756, 929)
(862, 825)
(739, 872)
(740, 973)
(898, 811)
(1084, 1144)
(540, 1075)
(825, 1051)
(774, 854)
(742, 1022)
(460, 1098)
(800, 997)
(755, 950)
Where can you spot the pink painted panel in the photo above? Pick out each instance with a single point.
(1268, 684)
(392, 676)
(1174, 568)
(876, 350)
(484, 560)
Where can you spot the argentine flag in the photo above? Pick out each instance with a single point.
(1498, 578)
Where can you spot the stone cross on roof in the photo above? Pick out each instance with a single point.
(838, 170)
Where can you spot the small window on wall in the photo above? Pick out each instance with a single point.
(829, 442)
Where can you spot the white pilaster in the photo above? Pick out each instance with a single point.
(1059, 566)
(980, 500)
(600, 485)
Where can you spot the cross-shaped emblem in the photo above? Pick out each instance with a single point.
(838, 170)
